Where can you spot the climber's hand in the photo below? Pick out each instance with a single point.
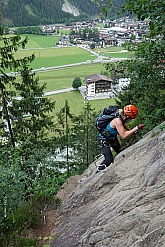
(140, 126)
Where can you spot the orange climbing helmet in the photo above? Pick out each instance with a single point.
(131, 111)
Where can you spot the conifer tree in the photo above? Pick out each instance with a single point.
(32, 109)
(63, 128)
(9, 63)
(85, 135)
(146, 70)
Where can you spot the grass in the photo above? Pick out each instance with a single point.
(38, 41)
(76, 102)
(41, 41)
(109, 49)
(50, 57)
(114, 52)
(47, 55)
(63, 78)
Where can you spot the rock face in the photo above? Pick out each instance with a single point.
(68, 7)
(122, 206)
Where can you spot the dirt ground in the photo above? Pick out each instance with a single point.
(44, 231)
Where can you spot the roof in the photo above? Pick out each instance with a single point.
(95, 77)
(117, 29)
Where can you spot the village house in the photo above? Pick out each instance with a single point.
(48, 29)
(98, 84)
(108, 41)
(64, 41)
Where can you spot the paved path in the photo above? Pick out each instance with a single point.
(99, 59)
(65, 90)
(82, 91)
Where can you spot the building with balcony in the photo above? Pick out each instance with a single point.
(98, 84)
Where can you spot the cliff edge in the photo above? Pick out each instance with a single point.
(122, 206)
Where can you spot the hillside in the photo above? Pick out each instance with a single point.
(124, 205)
(32, 12)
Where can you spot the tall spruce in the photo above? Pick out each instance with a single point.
(9, 63)
(64, 118)
(26, 115)
(85, 137)
(31, 109)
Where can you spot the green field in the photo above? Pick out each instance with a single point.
(50, 57)
(38, 41)
(76, 102)
(115, 52)
(47, 55)
(63, 78)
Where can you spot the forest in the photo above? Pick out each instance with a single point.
(31, 12)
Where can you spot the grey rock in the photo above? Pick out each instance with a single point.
(122, 206)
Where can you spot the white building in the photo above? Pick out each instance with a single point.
(98, 84)
(123, 82)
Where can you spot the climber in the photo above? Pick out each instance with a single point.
(115, 127)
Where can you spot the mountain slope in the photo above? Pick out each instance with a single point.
(32, 12)
(124, 205)
(69, 8)
(35, 12)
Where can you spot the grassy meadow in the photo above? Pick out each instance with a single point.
(40, 41)
(115, 52)
(56, 56)
(48, 55)
(63, 78)
(76, 102)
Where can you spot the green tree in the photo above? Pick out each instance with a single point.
(146, 71)
(32, 110)
(9, 62)
(85, 137)
(28, 169)
(76, 83)
(64, 118)
(154, 11)
(32, 30)
(92, 46)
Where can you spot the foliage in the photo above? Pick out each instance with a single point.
(27, 215)
(89, 34)
(11, 187)
(29, 30)
(77, 138)
(76, 82)
(63, 127)
(85, 137)
(110, 8)
(92, 46)
(146, 71)
(8, 61)
(26, 242)
(27, 159)
(151, 10)
(30, 13)
(28, 186)
(31, 110)
(142, 10)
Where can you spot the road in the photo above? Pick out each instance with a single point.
(99, 59)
